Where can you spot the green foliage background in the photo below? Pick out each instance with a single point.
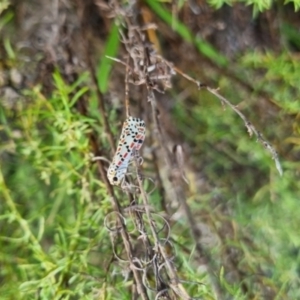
(53, 244)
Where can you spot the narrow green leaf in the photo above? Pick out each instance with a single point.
(81, 79)
(5, 18)
(111, 49)
(203, 47)
(78, 94)
(295, 2)
(9, 50)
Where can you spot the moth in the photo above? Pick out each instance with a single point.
(131, 140)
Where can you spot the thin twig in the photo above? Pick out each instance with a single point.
(251, 129)
(175, 284)
(180, 198)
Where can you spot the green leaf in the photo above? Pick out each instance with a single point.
(203, 47)
(9, 50)
(111, 49)
(78, 94)
(296, 4)
(6, 18)
(219, 3)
